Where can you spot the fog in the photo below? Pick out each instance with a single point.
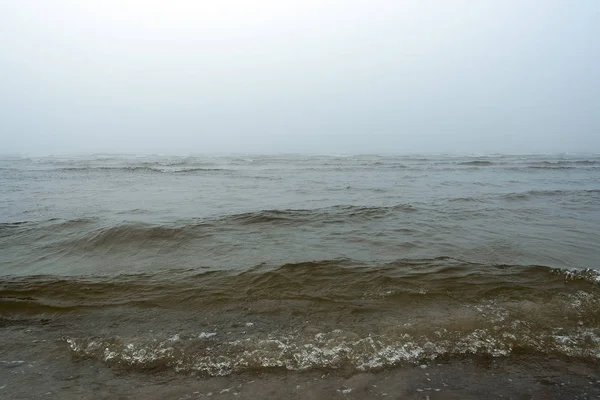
(309, 76)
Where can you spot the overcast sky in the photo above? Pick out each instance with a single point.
(317, 76)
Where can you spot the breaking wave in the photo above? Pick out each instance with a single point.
(328, 314)
(204, 353)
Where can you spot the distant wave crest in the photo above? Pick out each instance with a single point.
(145, 169)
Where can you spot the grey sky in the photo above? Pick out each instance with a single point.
(328, 76)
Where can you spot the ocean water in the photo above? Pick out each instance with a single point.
(292, 276)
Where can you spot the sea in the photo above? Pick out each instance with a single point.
(422, 276)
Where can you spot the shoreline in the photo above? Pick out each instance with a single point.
(514, 377)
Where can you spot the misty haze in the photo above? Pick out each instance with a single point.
(299, 76)
(299, 199)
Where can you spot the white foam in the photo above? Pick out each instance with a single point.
(334, 349)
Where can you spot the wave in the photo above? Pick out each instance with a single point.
(477, 163)
(9, 225)
(466, 200)
(566, 162)
(94, 236)
(12, 228)
(146, 169)
(550, 193)
(129, 234)
(39, 229)
(324, 281)
(212, 355)
(186, 170)
(550, 167)
(55, 223)
(562, 164)
(334, 214)
(327, 314)
(178, 162)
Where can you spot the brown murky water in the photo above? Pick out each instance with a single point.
(300, 277)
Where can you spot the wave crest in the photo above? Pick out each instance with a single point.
(213, 355)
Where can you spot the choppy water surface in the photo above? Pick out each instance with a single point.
(300, 277)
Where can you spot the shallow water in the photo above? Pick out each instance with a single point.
(196, 275)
